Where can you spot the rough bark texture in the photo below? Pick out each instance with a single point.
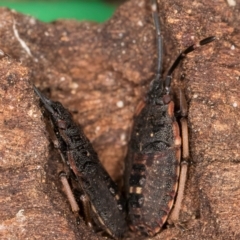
(100, 72)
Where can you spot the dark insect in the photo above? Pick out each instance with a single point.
(154, 158)
(100, 193)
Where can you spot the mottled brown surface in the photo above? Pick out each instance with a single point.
(101, 72)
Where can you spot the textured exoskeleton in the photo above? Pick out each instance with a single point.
(85, 168)
(154, 156)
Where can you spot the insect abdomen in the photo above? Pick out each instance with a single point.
(105, 202)
(155, 152)
(105, 206)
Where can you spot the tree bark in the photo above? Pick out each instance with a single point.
(100, 72)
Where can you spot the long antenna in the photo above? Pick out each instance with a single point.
(47, 103)
(182, 55)
(158, 39)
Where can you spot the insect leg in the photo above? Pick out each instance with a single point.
(69, 193)
(86, 209)
(74, 205)
(184, 163)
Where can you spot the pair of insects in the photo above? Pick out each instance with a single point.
(154, 170)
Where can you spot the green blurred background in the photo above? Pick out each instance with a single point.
(94, 10)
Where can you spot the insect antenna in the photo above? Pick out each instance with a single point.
(182, 55)
(47, 103)
(159, 41)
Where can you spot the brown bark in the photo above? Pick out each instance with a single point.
(101, 72)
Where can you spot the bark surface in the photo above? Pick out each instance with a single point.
(100, 72)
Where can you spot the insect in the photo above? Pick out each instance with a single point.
(153, 161)
(100, 196)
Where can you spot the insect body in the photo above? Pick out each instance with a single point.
(85, 168)
(153, 161)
